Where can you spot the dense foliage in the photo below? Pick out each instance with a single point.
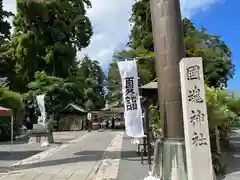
(41, 57)
(222, 106)
(217, 57)
(47, 37)
(14, 101)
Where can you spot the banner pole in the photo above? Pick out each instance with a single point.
(11, 133)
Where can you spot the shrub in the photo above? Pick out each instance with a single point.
(11, 100)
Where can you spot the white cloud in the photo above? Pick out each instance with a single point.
(9, 5)
(191, 7)
(111, 27)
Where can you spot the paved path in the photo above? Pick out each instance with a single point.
(233, 158)
(10, 155)
(106, 155)
(78, 160)
(130, 164)
(99, 155)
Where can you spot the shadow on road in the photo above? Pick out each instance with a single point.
(82, 157)
(19, 140)
(232, 157)
(16, 155)
(111, 154)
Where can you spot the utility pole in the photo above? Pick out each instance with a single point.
(169, 50)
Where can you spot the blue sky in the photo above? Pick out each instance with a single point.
(111, 27)
(222, 19)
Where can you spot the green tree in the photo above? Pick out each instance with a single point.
(5, 62)
(47, 37)
(141, 33)
(5, 26)
(217, 57)
(217, 64)
(145, 61)
(84, 86)
(94, 79)
(13, 101)
(58, 92)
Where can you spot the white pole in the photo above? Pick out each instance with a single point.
(11, 132)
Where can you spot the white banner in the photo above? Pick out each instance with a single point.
(133, 111)
(41, 105)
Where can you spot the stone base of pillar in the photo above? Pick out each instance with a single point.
(170, 159)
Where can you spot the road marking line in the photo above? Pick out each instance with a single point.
(37, 157)
(108, 166)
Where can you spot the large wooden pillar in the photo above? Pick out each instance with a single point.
(169, 50)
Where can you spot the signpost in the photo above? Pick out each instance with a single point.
(89, 116)
(198, 152)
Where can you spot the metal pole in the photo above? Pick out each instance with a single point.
(169, 50)
(89, 125)
(12, 119)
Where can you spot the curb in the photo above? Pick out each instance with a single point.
(96, 167)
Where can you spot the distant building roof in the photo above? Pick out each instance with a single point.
(152, 85)
(71, 107)
(112, 110)
(118, 109)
